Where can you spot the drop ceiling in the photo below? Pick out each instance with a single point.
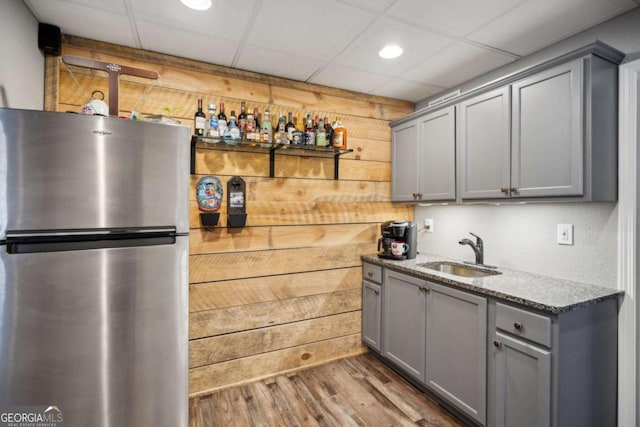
(336, 42)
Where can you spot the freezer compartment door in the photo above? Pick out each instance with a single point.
(101, 333)
(70, 171)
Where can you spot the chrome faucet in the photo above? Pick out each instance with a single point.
(478, 248)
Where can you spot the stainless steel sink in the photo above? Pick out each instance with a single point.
(459, 269)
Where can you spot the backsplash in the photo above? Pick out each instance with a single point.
(523, 237)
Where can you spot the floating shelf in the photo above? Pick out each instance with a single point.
(282, 149)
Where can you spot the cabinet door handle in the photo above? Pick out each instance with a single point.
(497, 344)
(514, 190)
(377, 292)
(505, 190)
(425, 290)
(370, 274)
(518, 326)
(419, 196)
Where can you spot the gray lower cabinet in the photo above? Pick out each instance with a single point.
(404, 322)
(523, 383)
(456, 348)
(423, 158)
(371, 314)
(553, 370)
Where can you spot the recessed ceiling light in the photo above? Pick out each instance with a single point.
(390, 51)
(197, 4)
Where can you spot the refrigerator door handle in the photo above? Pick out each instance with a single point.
(34, 242)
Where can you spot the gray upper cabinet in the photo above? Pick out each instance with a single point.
(457, 348)
(545, 136)
(484, 150)
(424, 169)
(546, 132)
(404, 163)
(547, 156)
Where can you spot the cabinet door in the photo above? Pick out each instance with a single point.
(483, 135)
(523, 383)
(547, 137)
(456, 348)
(404, 322)
(404, 162)
(437, 145)
(371, 311)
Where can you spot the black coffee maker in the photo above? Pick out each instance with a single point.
(399, 240)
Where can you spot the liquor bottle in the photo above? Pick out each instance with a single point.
(329, 130)
(266, 132)
(315, 123)
(290, 127)
(242, 118)
(321, 134)
(298, 134)
(280, 135)
(309, 132)
(212, 123)
(232, 132)
(222, 120)
(199, 120)
(339, 135)
(255, 119)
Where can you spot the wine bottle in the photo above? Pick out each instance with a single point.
(242, 118)
(222, 120)
(290, 127)
(199, 120)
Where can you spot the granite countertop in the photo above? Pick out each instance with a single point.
(543, 293)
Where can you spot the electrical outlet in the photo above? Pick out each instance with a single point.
(565, 234)
(428, 225)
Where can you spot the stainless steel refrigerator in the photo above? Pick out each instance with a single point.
(94, 268)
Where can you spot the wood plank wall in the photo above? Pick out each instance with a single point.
(284, 292)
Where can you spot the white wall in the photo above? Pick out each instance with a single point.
(523, 237)
(22, 64)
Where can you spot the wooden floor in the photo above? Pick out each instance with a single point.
(358, 391)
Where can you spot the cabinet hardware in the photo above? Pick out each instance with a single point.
(497, 344)
(505, 190)
(370, 274)
(377, 292)
(518, 326)
(514, 190)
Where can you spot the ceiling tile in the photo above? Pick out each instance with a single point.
(403, 89)
(454, 17)
(335, 75)
(276, 63)
(84, 21)
(307, 27)
(456, 64)
(539, 23)
(180, 43)
(375, 6)
(418, 44)
(115, 6)
(225, 19)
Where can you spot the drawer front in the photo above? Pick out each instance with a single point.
(525, 324)
(372, 272)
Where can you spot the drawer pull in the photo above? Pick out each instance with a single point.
(497, 344)
(370, 274)
(518, 326)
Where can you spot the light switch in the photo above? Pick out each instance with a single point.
(565, 234)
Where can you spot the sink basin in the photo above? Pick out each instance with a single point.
(459, 269)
